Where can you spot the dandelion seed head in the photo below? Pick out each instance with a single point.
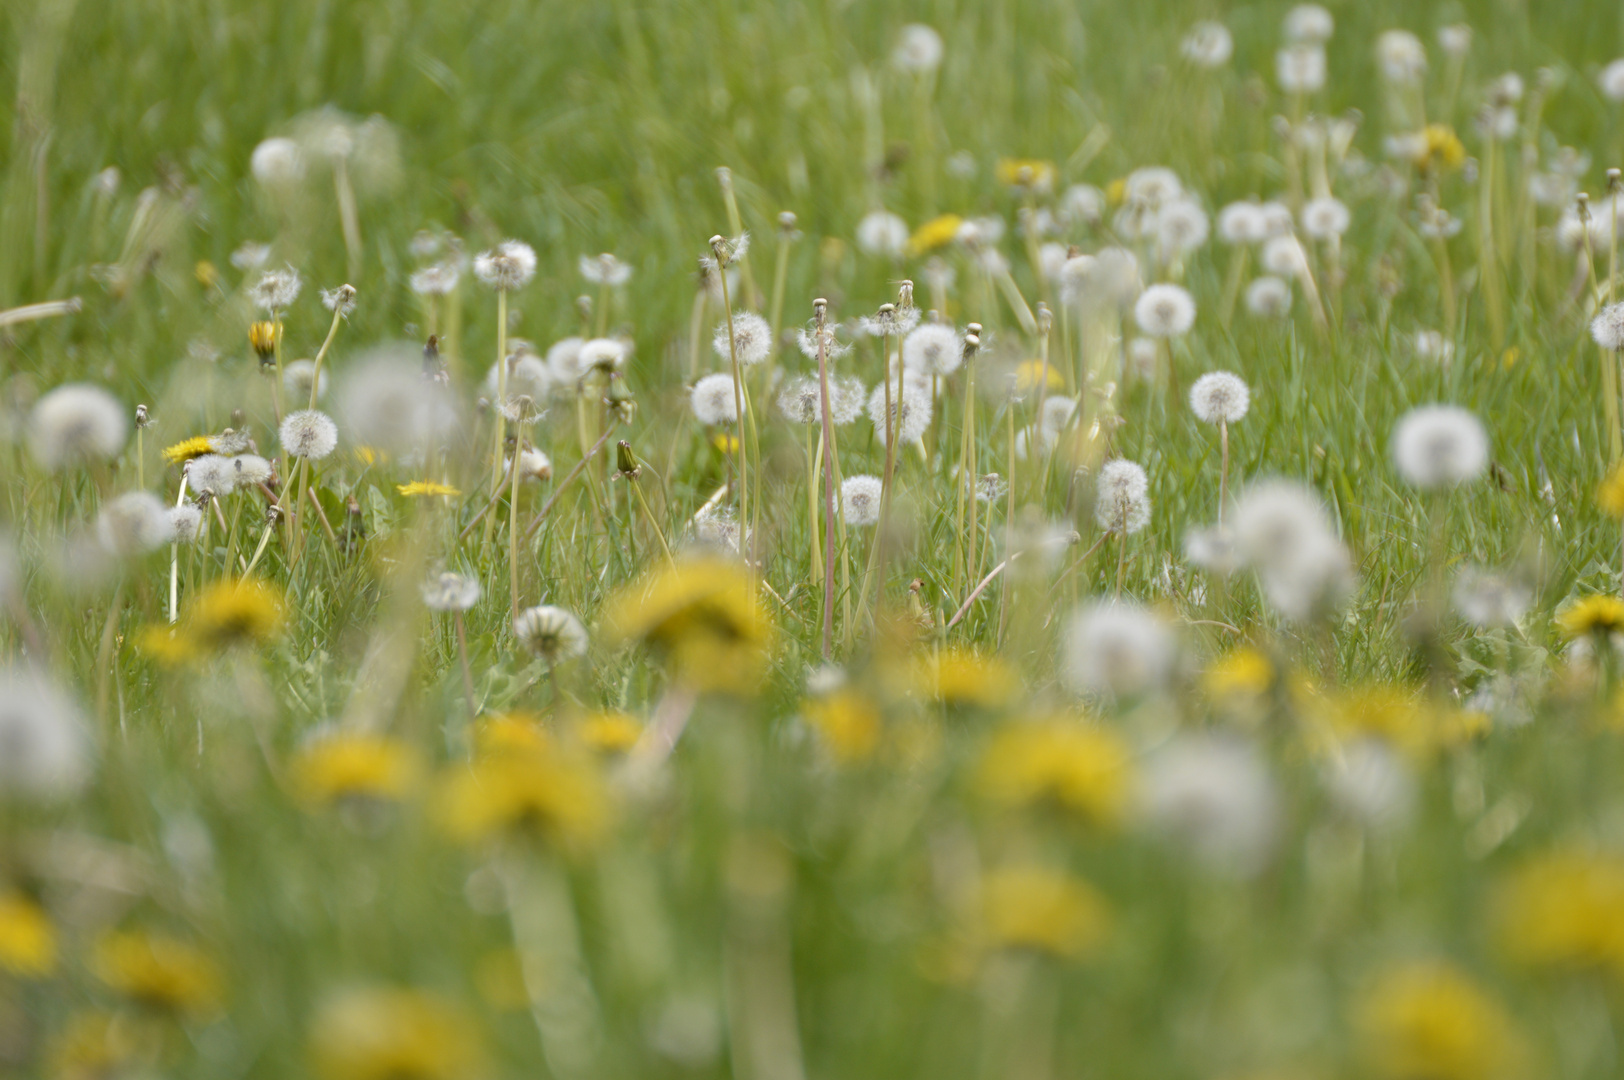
(1300, 68)
(308, 433)
(185, 523)
(1152, 187)
(47, 752)
(533, 465)
(934, 349)
(1122, 497)
(1325, 218)
(1315, 582)
(1181, 227)
(528, 374)
(1082, 204)
(1370, 783)
(1310, 23)
(1432, 346)
(297, 377)
(910, 412)
(1283, 256)
(451, 592)
(212, 474)
(340, 301)
(1611, 81)
(1052, 258)
(1208, 45)
(1401, 56)
(1220, 396)
(1268, 297)
(508, 266)
(603, 354)
(550, 634)
(1076, 279)
(133, 524)
(605, 269)
(277, 163)
(1213, 550)
(1115, 649)
(1165, 311)
(884, 234)
(564, 361)
(1439, 446)
(1242, 223)
(752, 339)
(75, 424)
(1213, 795)
(1116, 276)
(1607, 328)
(386, 403)
(801, 400)
(522, 410)
(811, 337)
(1489, 600)
(918, 49)
(713, 401)
(860, 500)
(251, 470)
(1275, 522)
(250, 256)
(1056, 414)
(440, 279)
(276, 290)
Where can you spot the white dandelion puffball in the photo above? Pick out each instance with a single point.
(133, 524)
(1268, 297)
(276, 290)
(1181, 227)
(1607, 328)
(1276, 521)
(883, 233)
(603, 354)
(604, 269)
(918, 49)
(1242, 223)
(1439, 446)
(752, 339)
(439, 279)
(1401, 56)
(713, 399)
(185, 523)
(1455, 39)
(1152, 186)
(1208, 44)
(47, 752)
(860, 500)
(533, 465)
(1057, 413)
(1213, 795)
(910, 412)
(1314, 583)
(1300, 69)
(212, 474)
(76, 424)
(934, 349)
(1283, 256)
(277, 163)
(1220, 397)
(1116, 275)
(1212, 550)
(811, 339)
(250, 469)
(385, 402)
(1114, 649)
(846, 396)
(1488, 600)
(1165, 311)
(801, 400)
(1122, 497)
(1371, 783)
(527, 374)
(1277, 219)
(564, 361)
(509, 265)
(298, 377)
(550, 634)
(1611, 81)
(451, 592)
(308, 433)
(1309, 23)
(1325, 218)
(1082, 204)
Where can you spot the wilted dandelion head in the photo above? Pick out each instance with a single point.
(1208, 44)
(918, 49)
(1165, 311)
(1268, 297)
(860, 500)
(44, 751)
(1438, 446)
(185, 523)
(1401, 56)
(884, 234)
(910, 414)
(713, 399)
(308, 433)
(1213, 795)
(1325, 218)
(550, 634)
(297, 378)
(75, 424)
(277, 163)
(386, 403)
(1115, 649)
(1220, 397)
(276, 290)
(133, 524)
(752, 339)
(1300, 68)
(508, 266)
(340, 301)
(1487, 599)
(451, 592)
(605, 269)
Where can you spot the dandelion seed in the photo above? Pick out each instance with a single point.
(1268, 297)
(1300, 68)
(1325, 218)
(860, 500)
(1438, 446)
(276, 290)
(75, 424)
(934, 349)
(340, 301)
(1165, 311)
(250, 256)
(1213, 794)
(713, 400)
(910, 414)
(550, 634)
(1115, 649)
(605, 269)
(277, 163)
(47, 753)
(308, 433)
(752, 339)
(507, 267)
(918, 50)
(1208, 45)
(1220, 397)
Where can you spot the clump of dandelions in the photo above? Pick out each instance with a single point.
(752, 339)
(47, 753)
(933, 349)
(1439, 446)
(1164, 311)
(308, 433)
(860, 500)
(1220, 398)
(76, 424)
(713, 400)
(1116, 650)
(508, 266)
(550, 634)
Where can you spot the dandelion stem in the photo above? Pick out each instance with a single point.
(498, 421)
(820, 309)
(321, 354)
(462, 658)
(564, 484)
(648, 515)
(513, 526)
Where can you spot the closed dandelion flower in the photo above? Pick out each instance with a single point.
(550, 634)
(1401, 56)
(1208, 44)
(1113, 649)
(1325, 218)
(934, 349)
(1220, 397)
(1310, 23)
(1164, 311)
(276, 290)
(47, 752)
(1242, 223)
(713, 400)
(308, 433)
(1300, 68)
(277, 163)
(1214, 796)
(1428, 1020)
(338, 766)
(508, 266)
(860, 500)
(76, 424)
(884, 234)
(1043, 910)
(1487, 599)
(910, 414)
(1439, 446)
(133, 524)
(752, 339)
(451, 592)
(604, 269)
(918, 50)
(185, 523)
(1268, 297)
(389, 1033)
(159, 971)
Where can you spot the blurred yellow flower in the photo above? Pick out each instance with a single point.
(1563, 909)
(165, 645)
(1597, 614)
(935, 233)
(1045, 910)
(1028, 173)
(499, 978)
(387, 1033)
(241, 611)
(1116, 191)
(956, 676)
(370, 455)
(1241, 673)
(27, 937)
(848, 724)
(1406, 720)
(1427, 1021)
(705, 616)
(206, 273)
(101, 1046)
(348, 765)
(159, 971)
(727, 444)
(609, 731)
(1440, 148)
(187, 449)
(426, 487)
(1030, 372)
(511, 733)
(1081, 768)
(561, 799)
(1610, 494)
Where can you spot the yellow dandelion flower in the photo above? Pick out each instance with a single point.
(1428, 1020)
(262, 337)
(1116, 191)
(705, 616)
(389, 1033)
(1044, 910)
(1440, 148)
(159, 971)
(727, 444)
(206, 273)
(1406, 720)
(1030, 372)
(354, 766)
(165, 645)
(98, 1045)
(1027, 173)
(511, 733)
(1610, 495)
(956, 676)
(187, 449)
(563, 800)
(426, 487)
(935, 233)
(1597, 614)
(243, 611)
(1081, 768)
(1241, 673)
(27, 937)
(1563, 909)
(370, 455)
(609, 731)
(847, 723)
(499, 978)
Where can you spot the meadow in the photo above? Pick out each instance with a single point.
(788, 540)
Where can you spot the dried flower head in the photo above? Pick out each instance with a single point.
(308, 433)
(340, 301)
(75, 424)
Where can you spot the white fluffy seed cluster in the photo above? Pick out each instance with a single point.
(308, 433)
(933, 349)
(1165, 311)
(1607, 328)
(1281, 530)
(276, 290)
(1439, 446)
(1122, 497)
(860, 500)
(550, 634)
(713, 399)
(1220, 397)
(884, 234)
(910, 411)
(1213, 796)
(508, 266)
(752, 339)
(47, 753)
(451, 592)
(1117, 650)
(76, 424)
(134, 524)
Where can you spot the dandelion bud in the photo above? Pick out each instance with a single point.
(262, 338)
(142, 419)
(626, 461)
